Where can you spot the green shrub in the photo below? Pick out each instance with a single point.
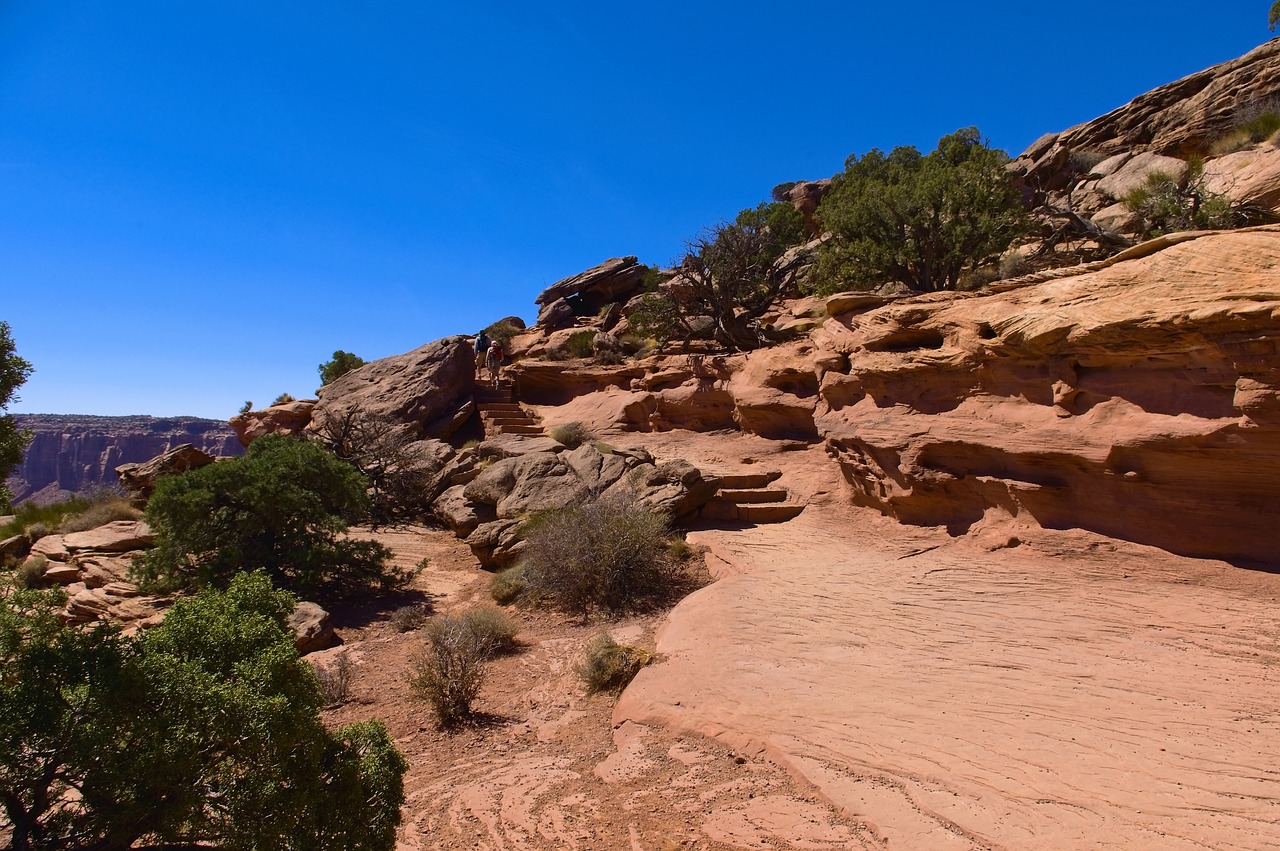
(40, 519)
(99, 513)
(610, 357)
(230, 752)
(609, 666)
(919, 219)
(580, 344)
(335, 680)
(571, 435)
(491, 627)
(14, 372)
(1166, 205)
(339, 365)
(508, 586)
(608, 556)
(30, 574)
(408, 618)
(246, 407)
(448, 674)
(504, 331)
(281, 507)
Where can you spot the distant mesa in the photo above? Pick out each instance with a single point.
(70, 453)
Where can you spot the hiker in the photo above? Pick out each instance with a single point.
(482, 351)
(494, 360)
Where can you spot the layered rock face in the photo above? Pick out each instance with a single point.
(70, 453)
(1179, 119)
(1141, 401)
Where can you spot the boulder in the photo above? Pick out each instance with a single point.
(519, 486)
(51, 547)
(775, 393)
(1252, 175)
(461, 515)
(614, 280)
(557, 316)
(312, 628)
(116, 537)
(496, 544)
(140, 479)
(61, 574)
(18, 545)
(1134, 173)
(287, 418)
(422, 389)
(1118, 218)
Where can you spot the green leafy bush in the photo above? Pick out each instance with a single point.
(339, 365)
(610, 556)
(607, 665)
(508, 586)
(581, 344)
(504, 330)
(14, 372)
(408, 618)
(491, 627)
(572, 434)
(921, 220)
(1167, 205)
(280, 507)
(230, 752)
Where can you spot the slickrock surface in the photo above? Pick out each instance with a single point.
(1067, 693)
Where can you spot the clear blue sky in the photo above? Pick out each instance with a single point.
(202, 200)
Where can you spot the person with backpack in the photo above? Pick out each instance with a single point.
(494, 360)
(482, 352)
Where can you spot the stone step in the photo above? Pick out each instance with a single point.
(743, 497)
(520, 429)
(772, 512)
(499, 408)
(510, 420)
(739, 480)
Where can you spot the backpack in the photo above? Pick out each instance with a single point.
(482, 342)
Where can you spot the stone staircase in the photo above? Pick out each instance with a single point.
(751, 498)
(500, 413)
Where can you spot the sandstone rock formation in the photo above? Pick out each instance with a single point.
(587, 292)
(428, 389)
(1139, 401)
(139, 480)
(285, 418)
(1181, 118)
(72, 453)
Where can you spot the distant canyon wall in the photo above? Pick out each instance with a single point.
(71, 453)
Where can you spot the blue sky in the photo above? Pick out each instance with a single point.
(201, 201)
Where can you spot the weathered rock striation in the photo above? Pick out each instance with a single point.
(69, 453)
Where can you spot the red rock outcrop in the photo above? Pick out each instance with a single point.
(1139, 401)
(428, 389)
(285, 418)
(1182, 118)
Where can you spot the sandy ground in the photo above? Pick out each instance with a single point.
(852, 683)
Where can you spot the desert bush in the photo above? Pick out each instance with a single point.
(504, 330)
(678, 548)
(246, 407)
(633, 344)
(335, 680)
(41, 519)
(1083, 161)
(281, 507)
(572, 434)
(1167, 205)
(609, 556)
(491, 627)
(386, 454)
(231, 752)
(508, 586)
(919, 219)
(339, 365)
(106, 511)
(14, 372)
(30, 574)
(607, 665)
(407, 618)
(581, 344)
(448, 674)
(283, 398)
(611, 357)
